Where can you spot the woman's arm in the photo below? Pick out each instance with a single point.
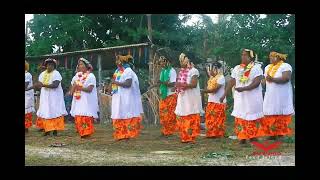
(126, 84)
(230, 85)
(255, 83)
(54, 84)
(286, 76)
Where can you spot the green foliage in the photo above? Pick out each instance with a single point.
(206, 39)
(272, 33)
(222, 40)
(67, 75)
(77, 32)
(143, 76)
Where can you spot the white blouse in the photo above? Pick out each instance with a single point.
(126, 103)
(51, 100)
(189, 101)
(87, 105)
(248, 105)
(278, 99)
(29, 95)
(215, 97)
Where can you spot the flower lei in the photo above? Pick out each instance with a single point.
(182, 78)
(116, 76)
(274, 68)
(244, 77)
(82, 77)
(46, 77)
(213, 81)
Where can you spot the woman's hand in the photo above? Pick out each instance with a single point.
(115, 82)
(109, 88)
(269, 78)
(240, 89)
(38, 85)
(179, 84)
(222, 98)
(77, 87)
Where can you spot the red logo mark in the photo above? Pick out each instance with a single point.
(266, 146)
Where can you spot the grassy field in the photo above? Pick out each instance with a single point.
(150, 148)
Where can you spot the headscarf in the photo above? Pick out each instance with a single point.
(88, 64)
(183, 74)
(278, 55)
(50, 60)
(26, 66)
(251, 54)
(181, 57)
(125, 60)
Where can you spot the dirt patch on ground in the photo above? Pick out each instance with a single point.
(150, 149)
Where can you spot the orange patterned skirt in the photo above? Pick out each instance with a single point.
(275, 125)
(28, 120)
(39, 123)
(215, 119)
(53, 124)
(84, 125)
(167, 116)
(248, 129)
(189, 127)
(126, 128)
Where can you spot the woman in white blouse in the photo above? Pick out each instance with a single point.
(248, 100)
(189, 103)
(126, 112)
(278, 100)
(84, 107)
(52, 107)
(29, 98)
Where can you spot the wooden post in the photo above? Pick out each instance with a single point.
(149, 26)
(71, 67)
(66, 62)
(99, 69)
(99, 94)
(151, 65)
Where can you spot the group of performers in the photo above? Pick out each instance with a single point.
(180, 98)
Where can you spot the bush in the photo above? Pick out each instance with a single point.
(67, 75)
